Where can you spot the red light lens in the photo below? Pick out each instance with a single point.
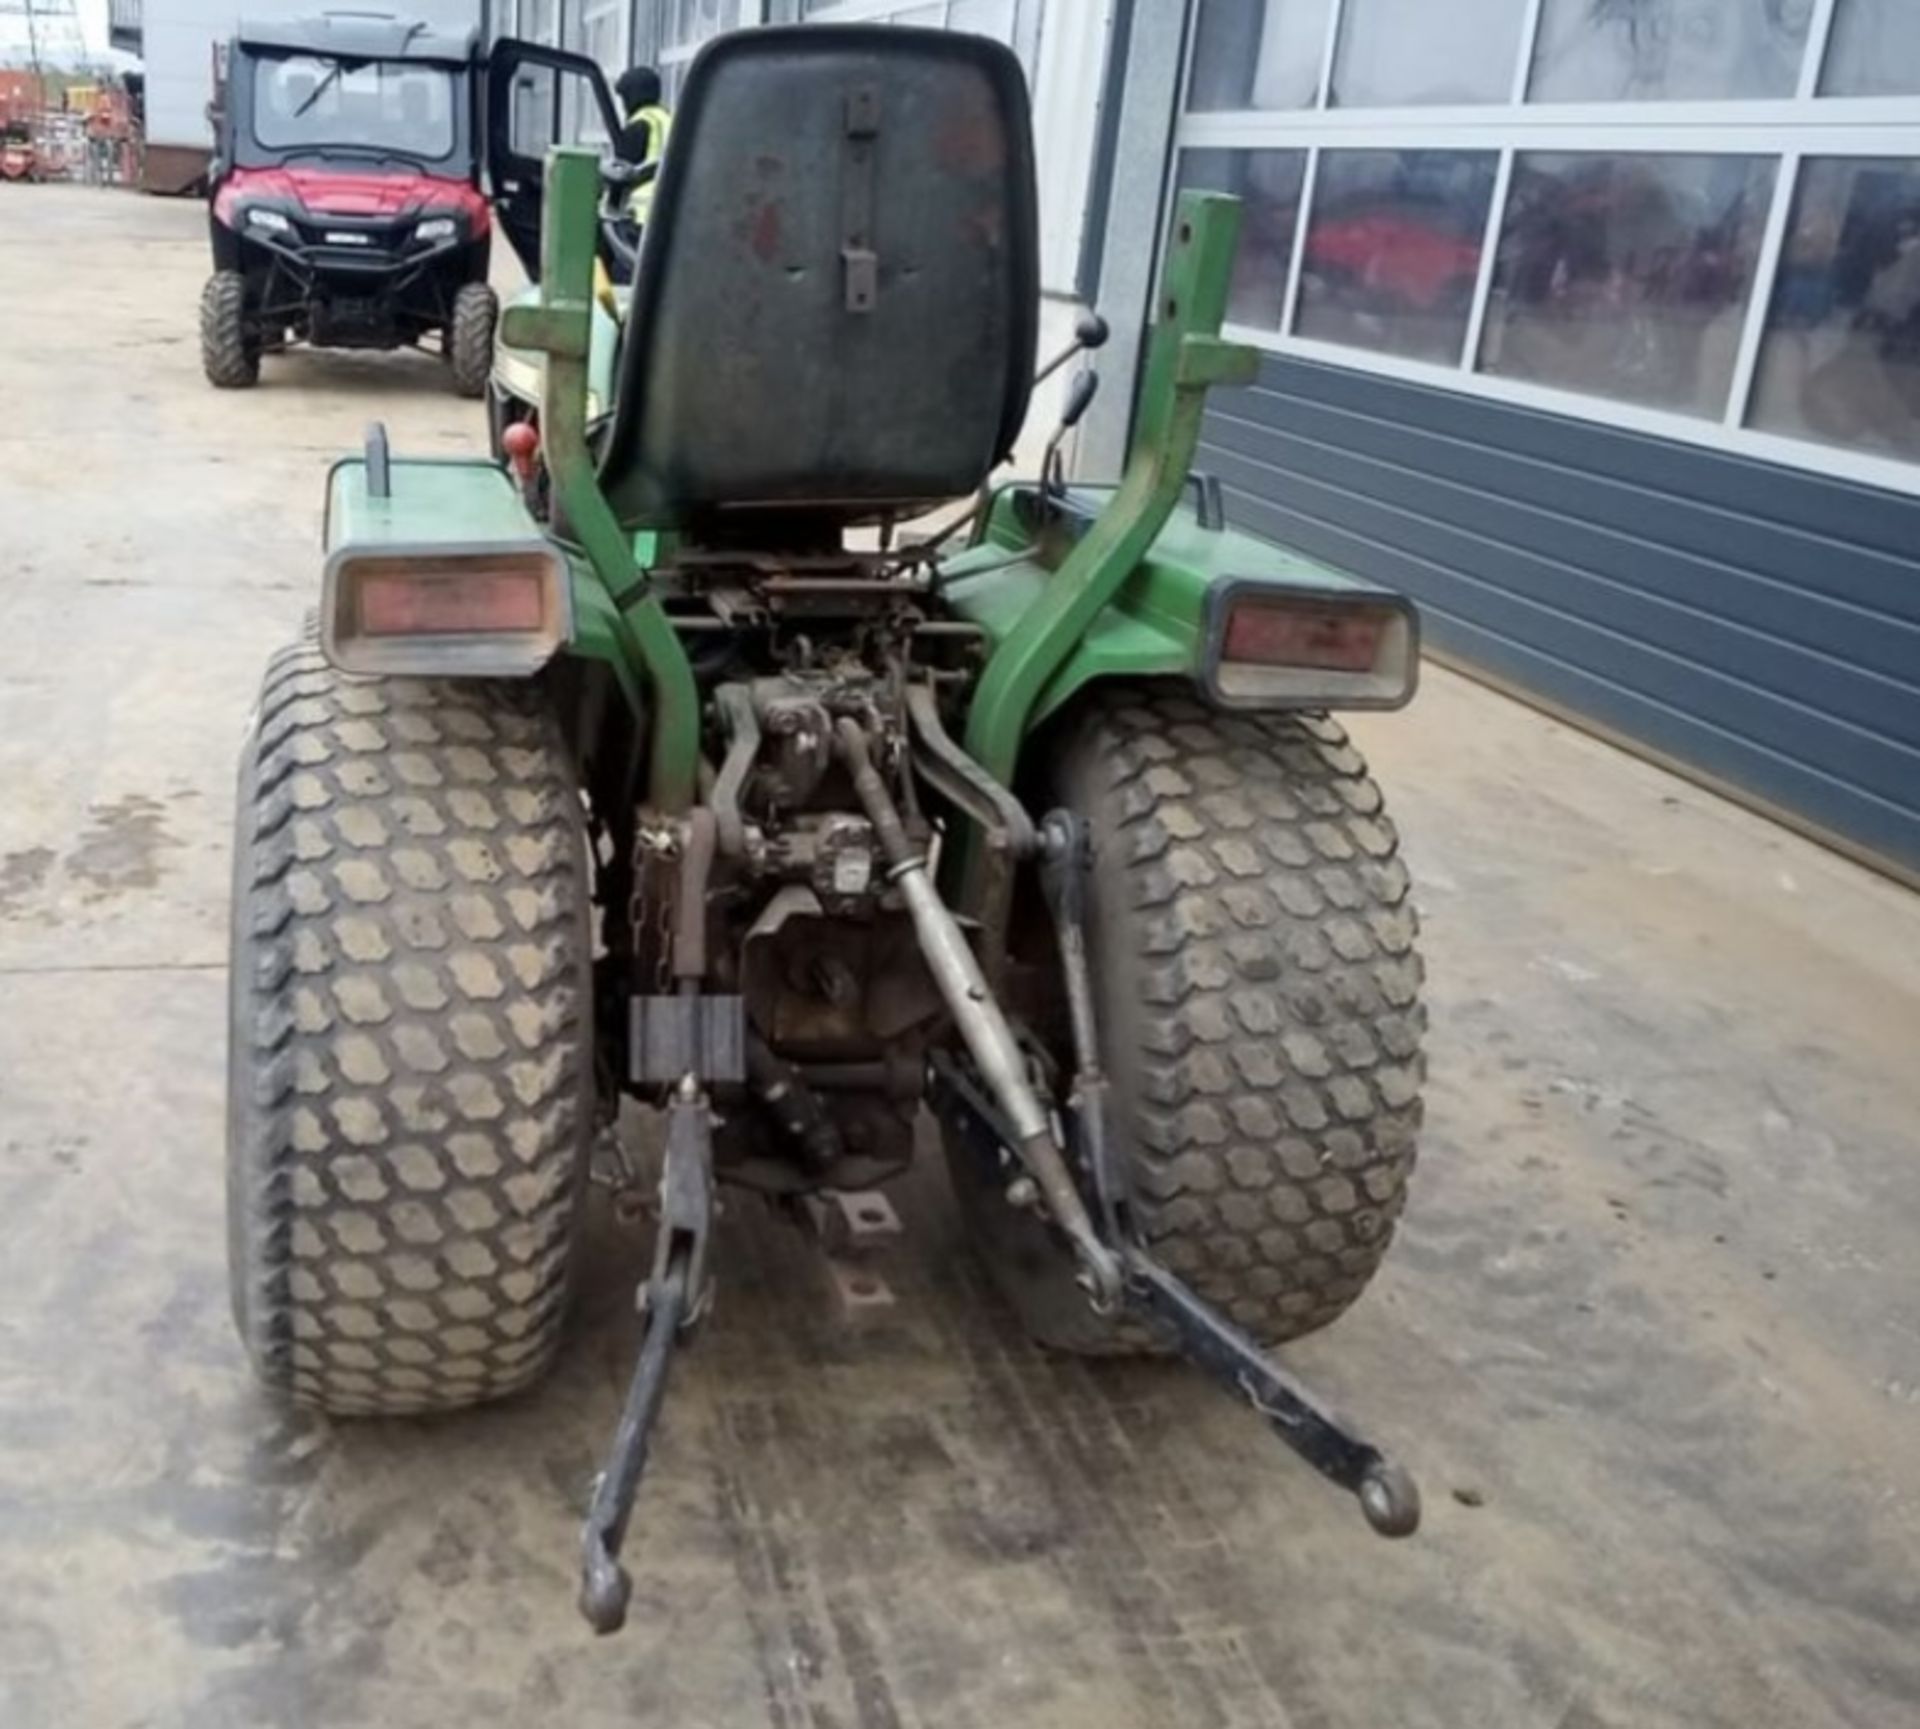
(1301, 633)
(466, 603)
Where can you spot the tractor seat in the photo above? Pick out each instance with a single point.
(835, 307)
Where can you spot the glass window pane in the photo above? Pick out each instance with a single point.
(983, 18)
(1840, 362)
(1393, 249)
(1268, 183)
(1402, 53)
(1668, 50)
(1874, 49)
(1627, 276)
(1258, 54)
(690, 22)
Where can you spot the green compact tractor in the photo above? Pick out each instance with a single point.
(705, 785)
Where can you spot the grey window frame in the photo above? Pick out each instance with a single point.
(1788, 130)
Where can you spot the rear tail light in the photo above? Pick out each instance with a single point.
(1271, 645)
(488, 612)
(411, 602)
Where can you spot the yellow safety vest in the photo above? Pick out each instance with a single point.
(659, 122)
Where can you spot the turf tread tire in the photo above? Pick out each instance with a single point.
(476, 310)
(229, 355)
(1253, 940)
(410, 1083)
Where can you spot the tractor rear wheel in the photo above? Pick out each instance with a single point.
(410, 1065)
(469, 335)
(1257, 990)
(229, 347)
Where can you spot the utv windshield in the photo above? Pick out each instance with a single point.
(403, 107)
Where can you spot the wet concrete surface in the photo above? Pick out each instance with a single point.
(1650, 1338)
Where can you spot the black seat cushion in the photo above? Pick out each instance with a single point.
(837, 294)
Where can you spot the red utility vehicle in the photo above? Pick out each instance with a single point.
(347, 210)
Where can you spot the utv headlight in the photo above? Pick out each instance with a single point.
(435, 228)
(271, 220)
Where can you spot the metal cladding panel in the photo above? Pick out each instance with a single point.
(1757, 625)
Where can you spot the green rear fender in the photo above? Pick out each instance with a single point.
(1155, 625)
(431, 505)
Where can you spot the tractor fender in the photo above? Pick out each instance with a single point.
(1166, 619)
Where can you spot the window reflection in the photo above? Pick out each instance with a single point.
(1840, 362)
(1627, 276)
(1268, 183)
(1668, 50)
(1393, 54)
(1393, 249)
(1874, 49)
(983, 18)
(1258, 54)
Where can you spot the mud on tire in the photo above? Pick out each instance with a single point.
(1253, 944)
(229, 350)
(410, 1073)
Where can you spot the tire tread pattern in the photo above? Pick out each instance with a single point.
(231, 361)
(411, 1067)
(1257, 919)
(476, 310)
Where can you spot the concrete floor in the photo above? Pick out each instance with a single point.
(1651, 1337)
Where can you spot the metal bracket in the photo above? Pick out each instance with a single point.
(671, 1037)
(857, 255)
(1209, 503)
(379, 462)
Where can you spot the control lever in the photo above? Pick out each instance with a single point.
(1090, 331)
(1080, 395)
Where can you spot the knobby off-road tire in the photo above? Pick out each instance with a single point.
(229, 351)
(410, 1066)
(476, 310)
(1257, 984)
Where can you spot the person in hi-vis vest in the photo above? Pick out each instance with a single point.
(644, 138)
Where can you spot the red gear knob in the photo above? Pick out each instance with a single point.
(521, 442)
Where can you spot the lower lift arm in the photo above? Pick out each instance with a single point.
(1205, 1337)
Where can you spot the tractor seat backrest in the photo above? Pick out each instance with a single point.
(836, 301)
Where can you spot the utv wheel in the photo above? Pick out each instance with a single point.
(410, 1079)
(1257, 987)
(229, 349)
(470, 338)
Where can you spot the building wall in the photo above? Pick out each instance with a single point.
(1061, 43)
(1597, 328)
(1757, 627)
